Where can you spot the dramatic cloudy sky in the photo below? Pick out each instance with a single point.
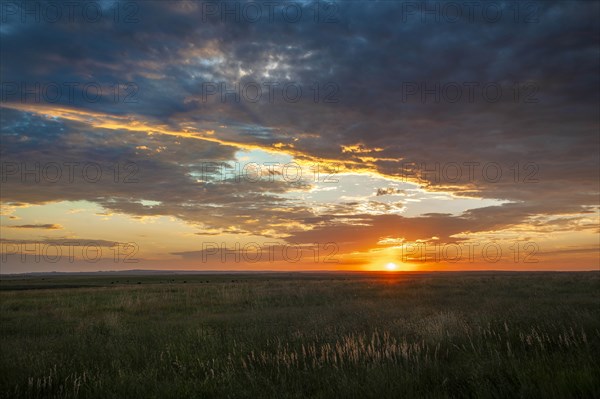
(300, 135)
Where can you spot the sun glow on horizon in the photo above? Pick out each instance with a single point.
(391, 266)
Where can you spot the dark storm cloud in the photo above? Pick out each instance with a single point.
(45, 161)
(374, 55)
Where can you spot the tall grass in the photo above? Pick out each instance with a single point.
(385, 336)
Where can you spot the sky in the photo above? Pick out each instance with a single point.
(299, 135)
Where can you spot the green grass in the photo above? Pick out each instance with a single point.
(450, 335)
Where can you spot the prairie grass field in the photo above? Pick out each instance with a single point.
(295, 335)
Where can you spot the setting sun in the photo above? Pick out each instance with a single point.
(391, 266)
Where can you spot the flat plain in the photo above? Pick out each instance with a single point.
(293, 335)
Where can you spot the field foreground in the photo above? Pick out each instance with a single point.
(387, 335)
